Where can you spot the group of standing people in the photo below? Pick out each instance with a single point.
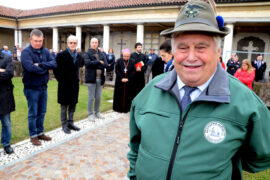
(36, 62)
(132, 71)
(247, 71)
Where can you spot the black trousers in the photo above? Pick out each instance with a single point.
(67, 113)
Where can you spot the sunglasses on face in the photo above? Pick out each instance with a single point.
(72, 42)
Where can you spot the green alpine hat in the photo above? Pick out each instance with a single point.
(198, 16)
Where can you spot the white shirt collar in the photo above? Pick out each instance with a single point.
(195, 93)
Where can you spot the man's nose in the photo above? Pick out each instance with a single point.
(192, 54)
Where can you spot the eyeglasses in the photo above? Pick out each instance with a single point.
(72, 42)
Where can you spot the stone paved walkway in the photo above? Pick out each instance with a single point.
(96, 155)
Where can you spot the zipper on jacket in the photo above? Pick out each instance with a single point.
(177, 141)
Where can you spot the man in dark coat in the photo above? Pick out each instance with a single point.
(124, 69)
(260, 67)
(140, 63)
(7, 103)
(67, 75)
(95, 64)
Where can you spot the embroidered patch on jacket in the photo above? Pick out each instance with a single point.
(192, 10)
(215, 132)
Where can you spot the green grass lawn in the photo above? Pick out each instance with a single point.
(52, 118)
(264, 175)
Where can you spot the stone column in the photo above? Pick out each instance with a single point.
(227, 46)
(15, 37)
(87, 41)
(140, 33)
(55, 39)
(79, 36)
(106, 38)
(20, 38)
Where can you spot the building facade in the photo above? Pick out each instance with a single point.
(120, 24)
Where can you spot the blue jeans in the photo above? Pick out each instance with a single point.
(6, 129)
(37, 106)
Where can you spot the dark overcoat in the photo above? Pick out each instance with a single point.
(67, 75)
(7, 102)
(259, 71)
(139, 75)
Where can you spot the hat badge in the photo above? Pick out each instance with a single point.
(192, 10)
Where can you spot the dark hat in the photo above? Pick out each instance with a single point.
(198, 15)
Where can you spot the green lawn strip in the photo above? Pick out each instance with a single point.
(264, 175)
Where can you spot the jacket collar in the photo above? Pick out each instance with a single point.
(93, 51)
(217, 91)
(36, 50)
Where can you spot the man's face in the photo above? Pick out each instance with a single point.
(232, 56)
(72, 44)
(36, 41)
(94, 44)
(152, 51)
(259, 58)
(195, 58)
(126, 56)
(139, 49)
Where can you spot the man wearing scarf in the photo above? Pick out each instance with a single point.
(67, 75)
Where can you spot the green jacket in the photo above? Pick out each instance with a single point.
(226, 129)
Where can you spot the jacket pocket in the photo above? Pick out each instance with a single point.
(148, 167)
(158, 131)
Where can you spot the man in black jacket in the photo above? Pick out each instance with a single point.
(260, 67)
(67, 75)
(140, 63)
(95, 64)
(7, 103)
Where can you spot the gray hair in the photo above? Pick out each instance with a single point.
(92, 39)
(72, 37)
(217, 40)
(36, 32)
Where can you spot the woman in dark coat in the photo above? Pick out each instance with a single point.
(67, 75)
(7, 103)
(111, 61)
(125, 70)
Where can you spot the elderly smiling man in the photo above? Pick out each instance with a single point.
(197, 121)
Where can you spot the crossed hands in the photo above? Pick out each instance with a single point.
(124, 80)
(2, 70)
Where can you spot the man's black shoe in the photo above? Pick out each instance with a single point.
(73, 127)
(8, 149)
(66, 130)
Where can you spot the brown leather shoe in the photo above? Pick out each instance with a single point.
(44, 137)
(35, 141)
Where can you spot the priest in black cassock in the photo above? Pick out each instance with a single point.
(125, 70)
(140, 64)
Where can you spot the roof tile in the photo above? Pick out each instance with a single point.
(96, 5)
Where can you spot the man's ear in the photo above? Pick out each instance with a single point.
(218, 53)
